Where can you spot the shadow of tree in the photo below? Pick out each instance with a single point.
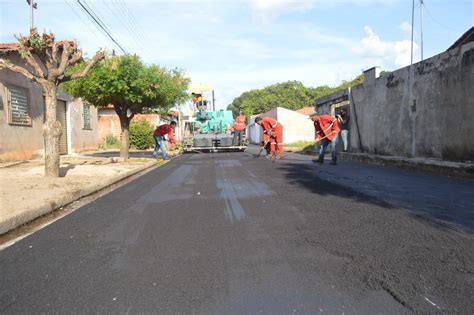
(64, 169)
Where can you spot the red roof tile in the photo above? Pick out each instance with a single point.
(6, 47)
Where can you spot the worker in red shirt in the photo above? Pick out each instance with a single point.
(160, 137)
(273, 133)
(239, 128)
(327, 130)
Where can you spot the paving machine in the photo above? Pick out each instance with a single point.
(209, 130)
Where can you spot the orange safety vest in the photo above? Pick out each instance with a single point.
(239, 123)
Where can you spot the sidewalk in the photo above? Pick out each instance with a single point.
(432, 166)
(26, 194)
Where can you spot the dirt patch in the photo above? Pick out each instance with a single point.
(24, 187)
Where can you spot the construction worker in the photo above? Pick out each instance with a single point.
(327, 130)
(198, 100)
(273, 133)
(160, 137)
(239, 128)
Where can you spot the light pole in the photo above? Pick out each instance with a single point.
(33, 5)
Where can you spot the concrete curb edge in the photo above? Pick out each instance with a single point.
(15, 221)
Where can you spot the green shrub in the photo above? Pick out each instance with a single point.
(110, 140)
(141, 135)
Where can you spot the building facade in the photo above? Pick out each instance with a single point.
(22, 114)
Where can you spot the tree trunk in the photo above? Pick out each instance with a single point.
(51, 132)
(124, 136)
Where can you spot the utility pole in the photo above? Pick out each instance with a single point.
(412, 26)
(421, 4)
(33, 5)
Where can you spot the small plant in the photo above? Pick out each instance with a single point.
(141, 135)
(111, 142)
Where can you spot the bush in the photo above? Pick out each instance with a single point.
(141, 135)
(110, 140)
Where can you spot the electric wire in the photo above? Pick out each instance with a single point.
(82, 21)
(134, 34)
(131, 21)
(96, 11)
(101, 26)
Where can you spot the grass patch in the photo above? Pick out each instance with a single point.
(302, 145)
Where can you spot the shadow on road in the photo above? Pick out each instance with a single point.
(449, 207)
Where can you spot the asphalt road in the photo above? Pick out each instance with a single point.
(232, 234)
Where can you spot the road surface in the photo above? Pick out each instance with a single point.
(233, 234)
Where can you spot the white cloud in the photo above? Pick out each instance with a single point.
(405, 27)
(387, 54)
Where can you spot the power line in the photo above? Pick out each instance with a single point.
(130, 20)
(435, 20)
(79, 17)
(134, 34)
(96, 11)
(101, 26)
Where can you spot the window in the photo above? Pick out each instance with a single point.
(18, 106)
(86, 114)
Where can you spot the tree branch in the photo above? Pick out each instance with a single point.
(75, 58)
(97, 57)
(118, 110)
(59, 71)
(32, 61)
(7, 65)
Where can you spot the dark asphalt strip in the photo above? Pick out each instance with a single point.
(238, 235)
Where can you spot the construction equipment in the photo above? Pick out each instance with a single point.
(209, 130)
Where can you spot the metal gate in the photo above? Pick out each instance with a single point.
(61, 117)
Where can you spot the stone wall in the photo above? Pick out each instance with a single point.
(420, 111)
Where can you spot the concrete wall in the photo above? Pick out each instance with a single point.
(109, 122)
(25, 142)
(82, 139)
(421, 112)
(296, 126)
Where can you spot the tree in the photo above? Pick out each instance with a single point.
(131, 87)
(46, 63)
(292, 95)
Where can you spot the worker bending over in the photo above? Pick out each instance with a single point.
(326, 132)
(273, 133)
(160, 137)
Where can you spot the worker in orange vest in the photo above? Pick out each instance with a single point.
(239, 128)
(327, 130)
(273, 133)
(160, 137)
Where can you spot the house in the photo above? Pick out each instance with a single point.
(22, 114)
(305, 110)
(296, 126)
(109, 122)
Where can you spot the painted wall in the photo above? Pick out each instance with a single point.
(421, 112)
(296, 126)
(25, 142)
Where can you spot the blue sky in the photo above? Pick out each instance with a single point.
(247, 44)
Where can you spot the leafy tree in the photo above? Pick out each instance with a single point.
(46, 63)
(131, 87)
(291, 95)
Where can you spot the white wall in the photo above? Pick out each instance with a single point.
(296, 126)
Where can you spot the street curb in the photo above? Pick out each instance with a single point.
(435, 167)
(29, 215)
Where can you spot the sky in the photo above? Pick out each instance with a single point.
(239, 45)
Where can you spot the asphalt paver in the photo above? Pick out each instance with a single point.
(233, 234)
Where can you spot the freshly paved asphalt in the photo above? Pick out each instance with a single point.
(232, 234)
